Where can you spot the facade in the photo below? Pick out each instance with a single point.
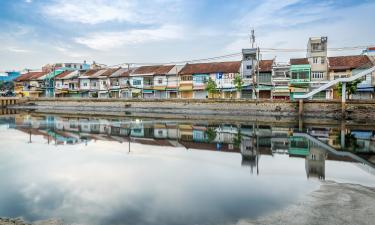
(150, 81)
(194, 77)
(249, 61)
(280, 81)
(346, 66)
(120, 84)
(173, 82)
(317, 57)
(299, 77)
(264, 79)
(28, 85)
(67, 84)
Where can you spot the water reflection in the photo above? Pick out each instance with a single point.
(250, 140)
(142, 171)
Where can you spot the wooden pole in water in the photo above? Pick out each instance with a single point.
(343, 99)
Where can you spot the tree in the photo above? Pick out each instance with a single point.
(237, 139)
(238, 83)
(211, 87)
(351, 87)
(211, 134)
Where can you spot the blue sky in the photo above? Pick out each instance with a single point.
(36, 32)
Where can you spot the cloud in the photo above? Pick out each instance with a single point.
(17, 50)
(100, 11)
(109, 40)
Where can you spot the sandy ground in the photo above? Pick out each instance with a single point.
(332, 204)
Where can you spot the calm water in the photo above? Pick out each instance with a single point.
(142, 171)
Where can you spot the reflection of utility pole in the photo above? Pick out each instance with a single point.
(342, 134)
(30, 133)
(129, 135)
(257, 150)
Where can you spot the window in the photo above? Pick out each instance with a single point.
(85, 84)
(160, 80)
(322, 60)
(186, 78)
(136, 82)
(315, 60)
(249, 67)
(94, 84)
(317, 75)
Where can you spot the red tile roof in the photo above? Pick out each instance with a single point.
(215, 67)
(348, 62)
(265, 65)
(299, 61)
(63, 74)
(155, 70)
(90, 72)
(123, 72)
(109, 72)
(29, 76)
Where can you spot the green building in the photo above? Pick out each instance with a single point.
(300, 77)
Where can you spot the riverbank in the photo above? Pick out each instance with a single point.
(332, 204)
(180, 108)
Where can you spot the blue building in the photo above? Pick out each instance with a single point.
(9, 76)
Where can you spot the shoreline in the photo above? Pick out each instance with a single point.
(184, 108)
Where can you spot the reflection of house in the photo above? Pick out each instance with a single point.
(186, 132)
(365, 141)
(279, 140)
(160, 131)
(315, 163)
(298, 146)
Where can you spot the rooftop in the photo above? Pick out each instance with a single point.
(153, 70)
(349, 62)
(299, 61)
(214, 67)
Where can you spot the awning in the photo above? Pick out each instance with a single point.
(365, 89)
(136, 90)
(159, 88)
(186, 88)
(148, 91)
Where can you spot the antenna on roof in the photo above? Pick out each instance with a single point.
(252, 38)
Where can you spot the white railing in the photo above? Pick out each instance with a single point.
(334, 82)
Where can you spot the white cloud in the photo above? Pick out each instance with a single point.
(109, 40)
(28, 1)
(100, 11)
(17, 50)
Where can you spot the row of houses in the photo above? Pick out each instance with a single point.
(265, 79)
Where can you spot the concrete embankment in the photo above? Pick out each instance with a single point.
(363, 110)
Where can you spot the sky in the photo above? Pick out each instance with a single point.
(37, 32)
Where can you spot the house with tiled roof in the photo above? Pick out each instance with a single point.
(30, 84)
(346, 66)
(264, 79)
(150, 81)
(193, 79)
(300, 70)
(67, 84)
(119, 83)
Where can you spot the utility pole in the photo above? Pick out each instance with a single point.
(252, 40)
